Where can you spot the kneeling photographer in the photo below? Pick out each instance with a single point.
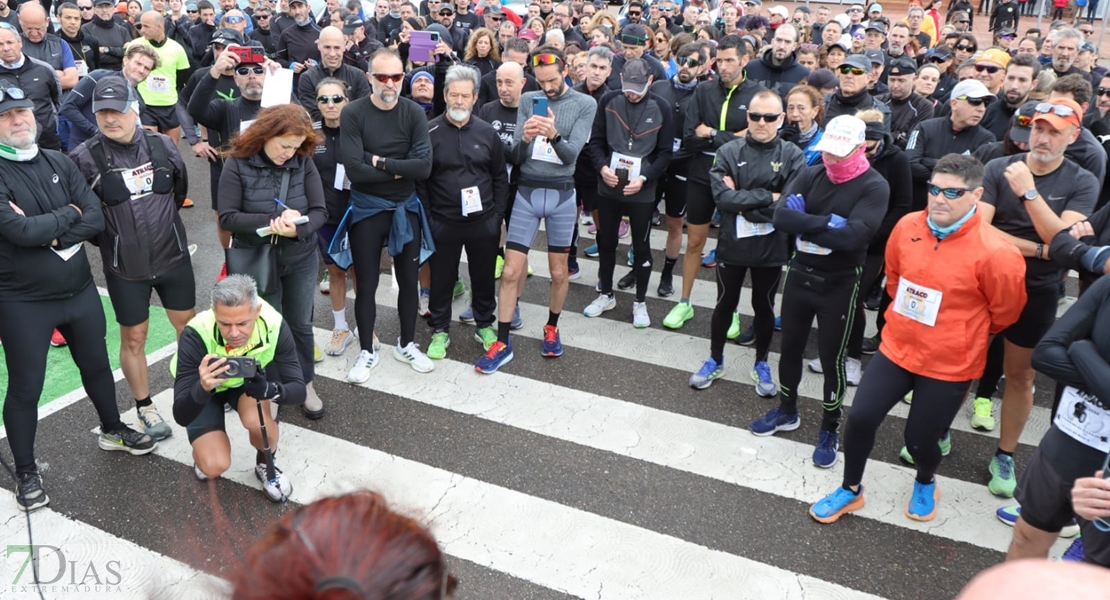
(239, 353)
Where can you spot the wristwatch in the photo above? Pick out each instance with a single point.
(1030, 195)
(558, 138)
(712, 133)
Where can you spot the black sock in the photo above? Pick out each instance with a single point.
(668, 266)
(501, 252)
(503, 331)
(1001, 452)
(553, 318)
(144, 402)
(259, 457)
(849, 488)
(918, 479)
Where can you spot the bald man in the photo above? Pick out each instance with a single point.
(331, 44)
(47, 47)
(159, 91)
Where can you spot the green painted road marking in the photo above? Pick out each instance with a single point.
(62, 376)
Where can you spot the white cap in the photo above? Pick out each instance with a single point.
(844, 20)
(780, 11)
(972, 88)
(875, 7)
(842, 135)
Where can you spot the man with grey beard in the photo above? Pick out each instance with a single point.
(466, 203)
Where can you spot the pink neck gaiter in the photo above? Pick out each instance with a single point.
(849, 168)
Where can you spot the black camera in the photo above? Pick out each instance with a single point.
(239, 367)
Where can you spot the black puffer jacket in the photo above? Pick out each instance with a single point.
(758, 170)
(143, 237)
(891, 162)
(247, 191)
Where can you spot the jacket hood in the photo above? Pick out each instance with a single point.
(790, 62)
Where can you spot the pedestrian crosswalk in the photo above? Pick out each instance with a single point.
(597, 475)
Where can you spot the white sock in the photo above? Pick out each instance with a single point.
(340, 317)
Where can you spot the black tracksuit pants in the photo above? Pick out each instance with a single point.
(480, 239)
(831, 298)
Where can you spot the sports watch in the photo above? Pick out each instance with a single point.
(1030, 195)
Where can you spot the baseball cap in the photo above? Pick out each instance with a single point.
(972, 88)
(635, 76)
(445, 6)
(780, 11)
(961, 17)
(842, 135)
(1022, 123)
(942, 52)
(113, 93)
(1045, 111)
(352, 24)
(292, 2)
(226, 37)
(822, 79)
(99, 2)
(875, 26)
(189, 6)
(996, 56)
(902, 66)
(877, 57)
(527, 33)
(633, 34)
(875, 8)
(844, 43)
(858, 60)
(754, 2)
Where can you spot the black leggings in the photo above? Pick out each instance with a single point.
(992, 373)
(872, 271)
(26, 327)
(730, 282)
(833, 302)
(609, 214)
(368, 237)
(935, 405)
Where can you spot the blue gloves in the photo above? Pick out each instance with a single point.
(837, 221)
(796, 202)
(1094, 259)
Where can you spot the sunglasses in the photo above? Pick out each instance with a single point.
(244, 71)
(446, 13)
(951, 193)
(391, 77)
(850, 70)
(138, 26)
(1024, 120)
(965, 48)
(545, 60)
(1059, 110)
(634, 14)
(937, 59)
(972, 101)
(1087, 31)
(688, 61)
(334, 99)
(766, 118)
(191, 12)
(260, 17)
(988, 68)
(13, 93)
(855, 10)
(85, 7)
(1103, 91)
(234, 19)
(665, 9)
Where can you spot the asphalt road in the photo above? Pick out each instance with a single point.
(599, 474)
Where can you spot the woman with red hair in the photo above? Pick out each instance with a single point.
(351, 546)
(270, 180)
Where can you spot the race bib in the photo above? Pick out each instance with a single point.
(471, 200)
(139, 181)
(810, 247)
(341, 182)
(542, 150)
(68, 253)
(623, 161)
(158, 83)
(747, 229)
(917, 302)
(243, 125)
(1083, 418)
(82, 68)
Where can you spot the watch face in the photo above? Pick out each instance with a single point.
(1031, 195)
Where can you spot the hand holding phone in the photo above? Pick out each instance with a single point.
(622, 177)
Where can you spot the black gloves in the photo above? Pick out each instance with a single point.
(259, 388)
(790, 132)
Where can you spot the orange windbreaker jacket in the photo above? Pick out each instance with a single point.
(981, 280)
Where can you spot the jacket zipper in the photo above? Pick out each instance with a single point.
(115, 252)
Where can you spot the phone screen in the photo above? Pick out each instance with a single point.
(539, 106)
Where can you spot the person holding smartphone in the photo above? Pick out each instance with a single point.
(239, 325)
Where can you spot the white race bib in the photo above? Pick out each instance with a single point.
(471, 200)
(243, 125)
(158, 83)
(1081, 416)
(341, 182)
(542, 150)
(810, 247)
(623, 161)
(139, 181)
(82, 68)
(917, 302)
(68, 253)
(747, 229)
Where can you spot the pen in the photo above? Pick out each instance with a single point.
(282, 204)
